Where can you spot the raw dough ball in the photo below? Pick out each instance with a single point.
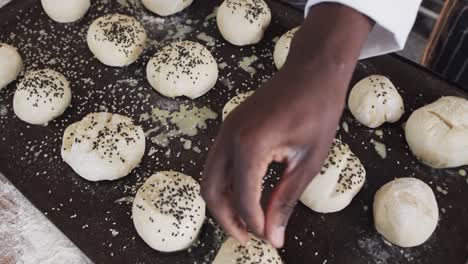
(41, 96)
(65, 11)
(166, 7)
(235, 102)
(243, 22)
(255, 251)
(168, 211)
(374, 100)
(282, 48)
(10, 64)
(405, 212)
(183, 68)
(339, 180)
(438, 133)
(116, 40)
(103, 146)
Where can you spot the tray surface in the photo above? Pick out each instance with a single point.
(90, 214)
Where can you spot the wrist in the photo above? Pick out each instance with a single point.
(333, 35)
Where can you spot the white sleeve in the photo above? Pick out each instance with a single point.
(393, 22)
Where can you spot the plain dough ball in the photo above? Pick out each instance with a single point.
(340, 179)
(166, 7)
(406, 212)
(103, 146)
(65, 11)
(235, 102)
(116, 40)
(438, 133)
(41, 96)
(374, 100)
(168, 211)
(183, 68)
(255, 251)
(10, 64)
(282, 48)
(243, 22)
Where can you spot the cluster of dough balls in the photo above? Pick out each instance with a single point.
(11, 64)
(103, 146)
(438, 133)
(41, 96)
(374, 100)
(65, 11)
(168, 211)
(243, 22)
(339, 180)
(183, 68)
(235, 102)
(116, 40)
(166, 7)
(406, 212)
(282, 47)
(255, 251)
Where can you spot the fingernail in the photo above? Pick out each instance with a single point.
(277, 236)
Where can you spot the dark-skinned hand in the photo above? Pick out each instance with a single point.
(291, 119)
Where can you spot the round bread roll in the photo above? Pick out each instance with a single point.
(103, 146)
(374, 100)
(405, 212)
(11, 64)
(255, 251)
(183, 68)
(282, 48)
(340, 179)
(65, 11)
(438, 133)
(168, 211)
(243, 22)
(41, 96)
(166, 7)
(116, 40)
(234, 102)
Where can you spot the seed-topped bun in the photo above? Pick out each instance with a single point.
(11, 64)
(339, 180)
(375, 100)
(103, 146)
(183, 68)
(235, 102)
(168, 211)
(255, 251)
(65, 11)
(282, 48)
(243, 22)
(166, 7)
(41, 96)
(116, 40)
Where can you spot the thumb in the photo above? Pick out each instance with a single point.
(285, 196)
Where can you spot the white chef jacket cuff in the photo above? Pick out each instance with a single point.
(393, 22)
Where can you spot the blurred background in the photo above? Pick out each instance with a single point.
(438, 40)
(425, 23)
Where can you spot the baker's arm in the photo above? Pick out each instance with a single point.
(291, 119)
(393, 22)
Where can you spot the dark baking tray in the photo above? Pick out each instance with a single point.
(86, 212)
